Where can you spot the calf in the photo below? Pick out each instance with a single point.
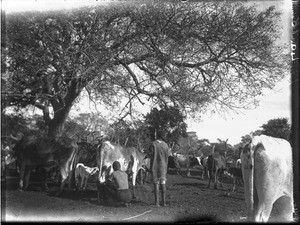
(82, 174)
(235, 174)
(267, 167)
(216, 165)
(144, 171)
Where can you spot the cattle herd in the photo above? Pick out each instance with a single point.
(265, 168)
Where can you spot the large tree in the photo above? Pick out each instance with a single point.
(188, 55)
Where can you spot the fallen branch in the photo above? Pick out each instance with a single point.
(137, 215)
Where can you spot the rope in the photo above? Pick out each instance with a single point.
(137, 215)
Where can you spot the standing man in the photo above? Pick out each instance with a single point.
(159, 167)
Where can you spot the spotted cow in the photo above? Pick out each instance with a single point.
(267, 168)
(130, 158)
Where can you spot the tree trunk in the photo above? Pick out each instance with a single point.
(62, 109)
(56, 129)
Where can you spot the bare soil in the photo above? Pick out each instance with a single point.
(188, 200)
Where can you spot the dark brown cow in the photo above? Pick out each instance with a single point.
(159, 167)
(216, 166)
(236, 175)
(130, 158)
(45, 153)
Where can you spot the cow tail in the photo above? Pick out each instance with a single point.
(247, 158)
(212, 165)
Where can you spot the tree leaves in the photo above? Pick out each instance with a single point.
(196, 56)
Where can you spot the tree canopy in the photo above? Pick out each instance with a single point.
(279, 128)
(166, 124)
(191, 56)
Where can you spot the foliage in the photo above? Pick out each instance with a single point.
(132, 135)
(166, 124)
(86, 154)
(89, 127)
(191, 145)
(19, 125)
(279, 128)
(184, 55)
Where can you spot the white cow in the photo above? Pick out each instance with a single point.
(267, 169)
(82, 174)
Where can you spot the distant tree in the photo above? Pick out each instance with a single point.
(186, 55)
(246, 138)
(279, 128)
(75, 130)
(166, 124)
(94, 125)
(189, 145)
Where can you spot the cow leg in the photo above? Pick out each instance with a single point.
(234, 183)
(156, 193)
(85, 182)
(98, 192)
(101, 192)
(69, 180)
(215, 180)
(142, 177)
(209, 178)
(221, 180)
(163, 194)
(27, 177)
(22, 175)
(188, 173)
(43, 175)
(63, 181)
(133, 184)
(263, 211)
(207, 173)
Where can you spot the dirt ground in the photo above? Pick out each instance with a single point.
(188, 200)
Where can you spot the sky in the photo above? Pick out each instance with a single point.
(273, 104)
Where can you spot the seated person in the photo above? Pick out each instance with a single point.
(117, 187)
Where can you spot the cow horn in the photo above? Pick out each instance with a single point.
(15, 138)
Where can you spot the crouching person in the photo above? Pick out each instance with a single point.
(117, 187)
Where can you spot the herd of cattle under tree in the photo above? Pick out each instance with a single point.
(265, 167)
